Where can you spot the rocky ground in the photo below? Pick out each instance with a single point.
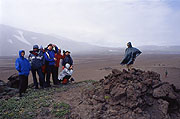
(127, 95)
(134, 95)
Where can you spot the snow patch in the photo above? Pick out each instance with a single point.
(10, 41)
(112, 50)
(21, 38)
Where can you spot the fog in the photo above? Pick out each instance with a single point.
(109, 23)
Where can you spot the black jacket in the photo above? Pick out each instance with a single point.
(68, 60)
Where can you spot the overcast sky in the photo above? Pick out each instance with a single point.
(101, 22)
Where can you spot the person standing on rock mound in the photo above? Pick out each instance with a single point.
(23, 67)
(130, 55)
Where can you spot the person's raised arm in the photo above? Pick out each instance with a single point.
(56, 48)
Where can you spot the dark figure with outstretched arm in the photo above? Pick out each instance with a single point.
(130, 55)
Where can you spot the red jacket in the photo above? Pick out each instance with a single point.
(58, 56)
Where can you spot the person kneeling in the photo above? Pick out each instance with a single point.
(66, 74)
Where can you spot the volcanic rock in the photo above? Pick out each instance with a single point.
(134, 94)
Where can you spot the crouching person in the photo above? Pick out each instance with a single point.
(23, 67)
(66, 74)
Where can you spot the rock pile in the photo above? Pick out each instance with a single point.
(6, 91)
(134, 94)
(13, 81)
(10, 88)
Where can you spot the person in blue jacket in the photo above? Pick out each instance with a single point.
(130, 55)
(23, 67)
(50, 64)
(36, 59)
(67, 59)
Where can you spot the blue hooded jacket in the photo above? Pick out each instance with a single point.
(130, 55)
(22, 65)
(50, 55)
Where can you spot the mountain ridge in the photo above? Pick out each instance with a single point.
(13, 39)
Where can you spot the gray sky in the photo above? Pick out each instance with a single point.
(101, 22)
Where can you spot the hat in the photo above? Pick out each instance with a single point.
(50, 45)
(67, 52)
(35, 47)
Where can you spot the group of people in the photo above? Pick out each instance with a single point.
(44, 62)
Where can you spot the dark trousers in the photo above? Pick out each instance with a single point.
(41, 77)
(50, 69)
(56, 74)
(67, 77)
(23, 83)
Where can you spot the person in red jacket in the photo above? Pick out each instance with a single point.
(58, 56)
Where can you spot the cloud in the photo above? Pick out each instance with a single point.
(102, 22)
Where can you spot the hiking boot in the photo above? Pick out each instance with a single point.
(72, 79)
(47, 86)
(36, 87)
(42, 87)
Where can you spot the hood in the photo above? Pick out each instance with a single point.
(129, 43)
(35, 47)
(20, 53)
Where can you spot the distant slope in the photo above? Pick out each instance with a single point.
(153, 49)
(12, 39)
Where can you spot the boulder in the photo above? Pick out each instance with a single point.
(13, 81)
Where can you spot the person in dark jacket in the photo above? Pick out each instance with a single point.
(50, 64)
(23, 67)
(130, 55)
(36, 59)
(67, 59)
